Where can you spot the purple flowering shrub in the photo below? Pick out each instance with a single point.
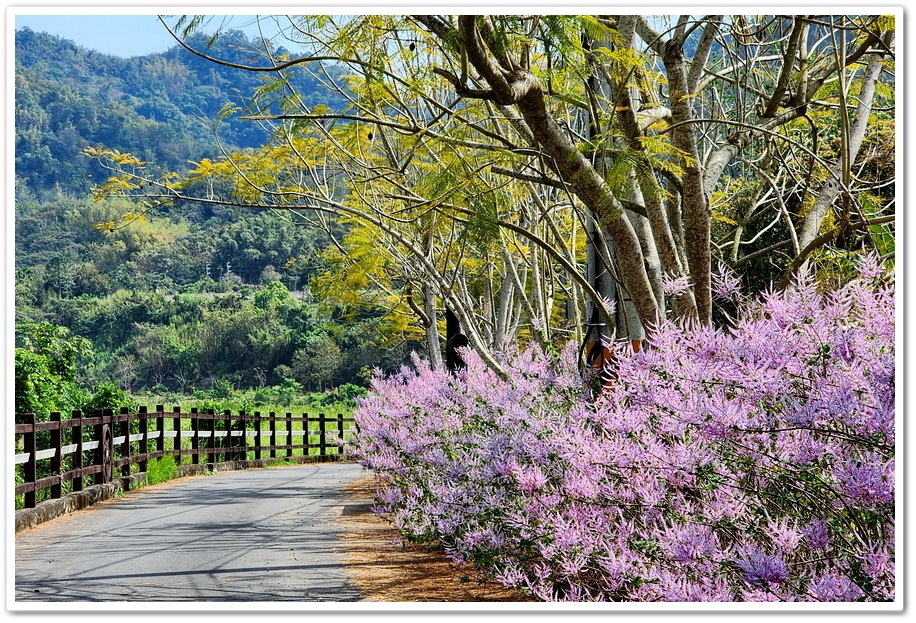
(749, 464)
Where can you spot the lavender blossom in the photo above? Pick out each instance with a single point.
(725, 284)
(761, 569)
(674, 286)
(816, 534)
(707, 473)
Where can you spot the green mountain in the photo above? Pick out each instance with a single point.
(160, 107)
(184, 297)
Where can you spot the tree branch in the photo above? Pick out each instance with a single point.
(277, 67)
(701, 55)
(799, 28)
(463, 90)
(823, 239)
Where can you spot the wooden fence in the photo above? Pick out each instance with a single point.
(105, 444)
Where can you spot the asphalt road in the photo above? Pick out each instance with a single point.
(251, 535)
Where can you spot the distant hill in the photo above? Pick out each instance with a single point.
(160, 107)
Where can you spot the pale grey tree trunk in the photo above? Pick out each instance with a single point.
(647, 240)
(833, 186)
(599, 264)
(512, 85)
(629, 325)
(655, 231)
(503, 309)
(433, 344)
(694, 201)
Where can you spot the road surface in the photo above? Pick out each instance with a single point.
(251, 535)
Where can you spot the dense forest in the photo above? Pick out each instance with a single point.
(162, 108)
(178, 298)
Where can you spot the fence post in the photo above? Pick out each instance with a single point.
(289, 434)
(259, 438)
(160, 426)
(143, 449)
(273, 435)
(125, 445)
(195, 439)
(56, 460)
(211, 444)
(340, 432)
(97, 432)
(30, 469)
(176, 424)
(242, 447)
(322, 435)
(240, 454)
(76, 434)
(227, 446)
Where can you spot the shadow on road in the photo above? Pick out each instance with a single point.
(254, 535)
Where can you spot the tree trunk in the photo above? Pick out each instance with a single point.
(597, 266)
(832, 187)
(432, 332)
(512, 85)
(695, 207)
(656, 235)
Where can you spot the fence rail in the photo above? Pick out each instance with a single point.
(104, 443)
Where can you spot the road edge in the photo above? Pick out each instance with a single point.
(70, 503)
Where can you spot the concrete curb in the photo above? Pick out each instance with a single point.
(78, 500)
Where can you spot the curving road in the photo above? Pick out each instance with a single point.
(252, 535)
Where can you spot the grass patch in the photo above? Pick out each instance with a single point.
(160, 470)
(277, 464)
(331, 402)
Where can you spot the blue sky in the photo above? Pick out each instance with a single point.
(133, 34)
(123, 35)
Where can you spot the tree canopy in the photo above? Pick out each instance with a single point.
(566, 176)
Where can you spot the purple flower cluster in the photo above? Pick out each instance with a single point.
(750, 464)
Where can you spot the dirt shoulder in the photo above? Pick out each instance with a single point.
(386, 570)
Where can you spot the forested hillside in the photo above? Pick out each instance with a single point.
(170, 298)
(160, 107)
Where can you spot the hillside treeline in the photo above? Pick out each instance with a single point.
(163, 299)
(160, 107)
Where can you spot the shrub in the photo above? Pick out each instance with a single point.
(262, 396)
(109, 396)
(288, 391)
(345, 395)
(754, 463)
(47, 359)
(223, 390)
